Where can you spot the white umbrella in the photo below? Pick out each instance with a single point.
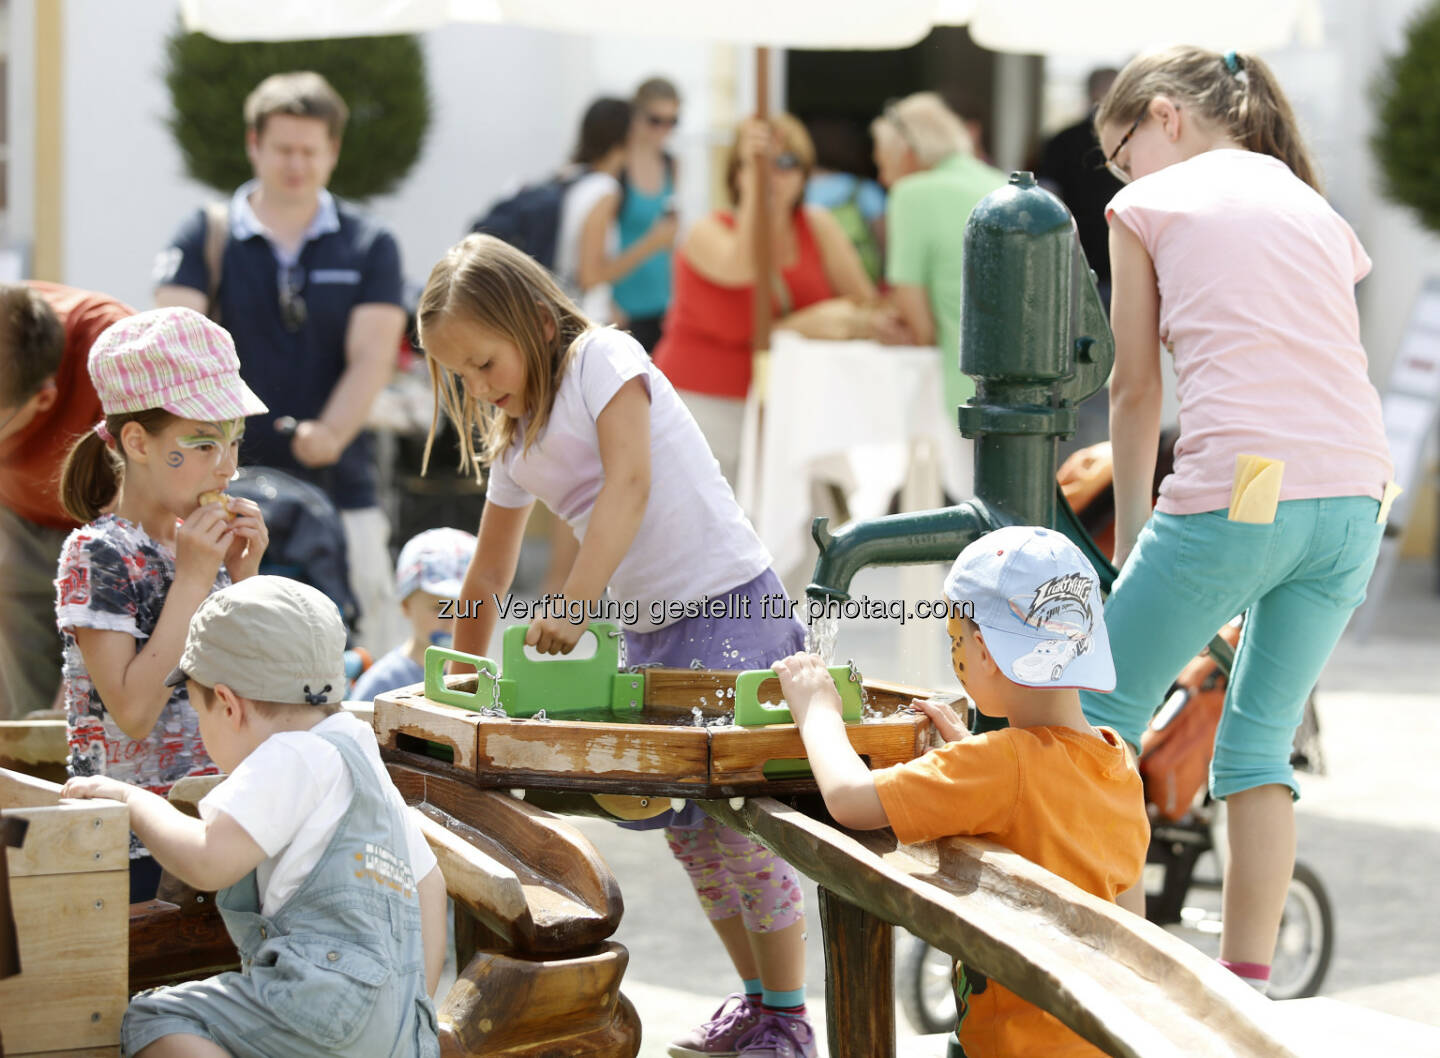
(827, 24)
(1117, 27)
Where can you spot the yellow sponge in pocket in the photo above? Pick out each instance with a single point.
(1256, 493)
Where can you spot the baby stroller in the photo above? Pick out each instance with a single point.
(1184, 867)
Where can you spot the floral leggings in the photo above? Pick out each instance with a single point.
(736, 875)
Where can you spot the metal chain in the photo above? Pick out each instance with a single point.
(616, 633)
(494, 708)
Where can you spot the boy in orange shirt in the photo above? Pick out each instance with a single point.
(1027, 629)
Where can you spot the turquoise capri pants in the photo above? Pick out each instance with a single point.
(1297, 579)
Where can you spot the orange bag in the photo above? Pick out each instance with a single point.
(1175, 758)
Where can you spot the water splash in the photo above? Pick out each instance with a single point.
(820, 637)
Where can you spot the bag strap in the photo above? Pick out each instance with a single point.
(217, 233)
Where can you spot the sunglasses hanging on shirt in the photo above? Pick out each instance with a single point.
(293, 312)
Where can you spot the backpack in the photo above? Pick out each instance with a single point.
(529, 220)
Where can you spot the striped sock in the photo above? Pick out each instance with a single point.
(790, 1004)
(1254, 974)
(753, 989)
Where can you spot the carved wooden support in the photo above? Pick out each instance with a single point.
(1122, 983)
(528, 876)
(506, 1006)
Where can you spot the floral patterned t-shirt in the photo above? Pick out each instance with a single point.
(114, 577)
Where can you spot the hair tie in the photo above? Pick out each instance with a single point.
(103, 432)
(1232, 62)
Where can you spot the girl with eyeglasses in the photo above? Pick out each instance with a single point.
(820, 290)
(1224, 253)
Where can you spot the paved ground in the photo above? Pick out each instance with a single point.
(1369, 828)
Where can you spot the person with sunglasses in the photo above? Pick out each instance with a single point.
(628, 235)
(46, 401)
(927, 161)
(820, 291)
(310, 287)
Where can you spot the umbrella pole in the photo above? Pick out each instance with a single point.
(763, 309)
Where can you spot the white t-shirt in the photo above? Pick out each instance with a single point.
(693, 539)
(580, 198)
(290, 794)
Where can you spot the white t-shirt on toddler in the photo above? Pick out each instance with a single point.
(290, 794)
(693, 540)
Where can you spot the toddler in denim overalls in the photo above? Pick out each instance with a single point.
(320, 896)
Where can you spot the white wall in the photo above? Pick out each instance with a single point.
(507, 105)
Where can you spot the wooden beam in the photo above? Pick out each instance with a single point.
(1122, 983)
(36, 747)
(25, 791)
(859, 962)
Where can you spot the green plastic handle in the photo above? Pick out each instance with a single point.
(750, 713)
(481, 698)
(562, 684)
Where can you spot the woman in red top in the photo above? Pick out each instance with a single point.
(823, 291)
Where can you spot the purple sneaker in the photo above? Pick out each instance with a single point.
(719, 1036)
(778, 1036)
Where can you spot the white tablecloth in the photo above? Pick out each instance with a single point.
(850, 413)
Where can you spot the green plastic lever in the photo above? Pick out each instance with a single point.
(481, 698)
(574, 687)
(749, 712)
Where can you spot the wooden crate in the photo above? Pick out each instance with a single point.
(70, 892)
(664, 752)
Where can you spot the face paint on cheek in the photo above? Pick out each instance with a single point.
(174, 459)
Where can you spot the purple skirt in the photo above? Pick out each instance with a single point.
(744, 636)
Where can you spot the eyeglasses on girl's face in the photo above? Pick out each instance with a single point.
(1123, 174)
(661, 121)
(787, 161)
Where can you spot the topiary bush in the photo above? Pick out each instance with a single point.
(1406, 140)
(381, 79)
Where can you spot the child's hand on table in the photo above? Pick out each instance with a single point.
(806, 684)
(83, 787)
(949, 723)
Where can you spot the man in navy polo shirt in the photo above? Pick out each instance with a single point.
(311, 290)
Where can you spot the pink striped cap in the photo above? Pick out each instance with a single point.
(174, 359)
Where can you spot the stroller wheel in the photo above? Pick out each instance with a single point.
(924, 985)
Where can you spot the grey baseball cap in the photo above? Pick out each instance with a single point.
(271, 639)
